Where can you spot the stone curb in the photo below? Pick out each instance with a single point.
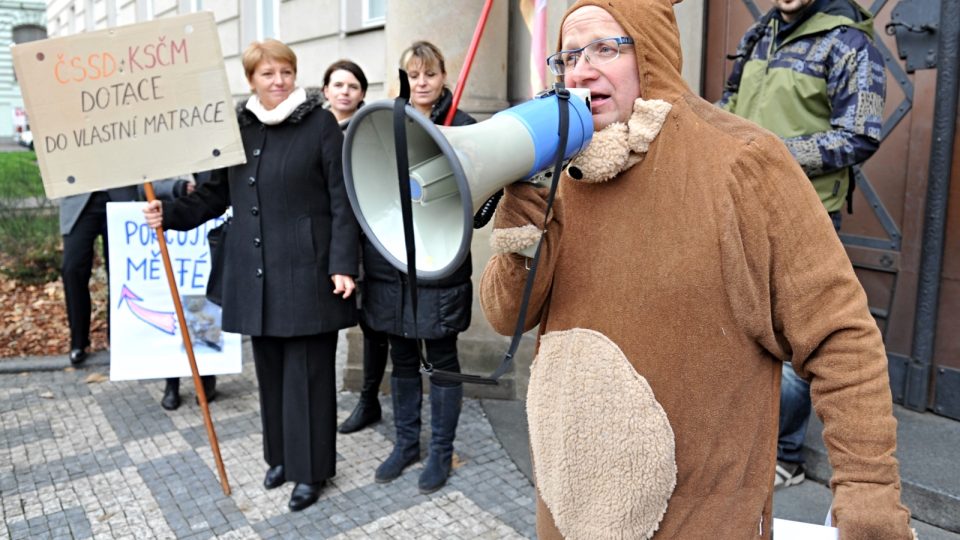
(58, 362)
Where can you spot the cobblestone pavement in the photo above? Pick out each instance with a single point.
(83, 459)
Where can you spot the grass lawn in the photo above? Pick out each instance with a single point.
(29, 238)
(19, 175)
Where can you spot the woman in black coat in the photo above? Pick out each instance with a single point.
(290, 259)
(443, 309)
(344, 87)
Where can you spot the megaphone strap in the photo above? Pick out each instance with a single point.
(403, 176)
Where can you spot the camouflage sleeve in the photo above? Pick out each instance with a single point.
(856, 87)
(732, 85)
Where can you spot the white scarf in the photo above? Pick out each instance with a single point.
(279, 113)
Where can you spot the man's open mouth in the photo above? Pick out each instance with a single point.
(597, 100)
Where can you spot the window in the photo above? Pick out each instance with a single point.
(363, 15)
(190, 6)
(268, 18)
(374, 12)
(28, 32)
(89, 21)
(259, 20)
(144, 10)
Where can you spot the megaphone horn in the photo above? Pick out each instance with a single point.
(453, 171)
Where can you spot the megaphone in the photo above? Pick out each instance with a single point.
(453, 171)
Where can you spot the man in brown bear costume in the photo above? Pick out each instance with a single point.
(687, 261)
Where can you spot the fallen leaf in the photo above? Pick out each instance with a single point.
(96, 377)
(34, 319)
(46, 395)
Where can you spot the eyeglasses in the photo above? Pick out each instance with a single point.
(597, 52)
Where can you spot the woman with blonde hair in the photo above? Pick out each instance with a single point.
(444, 309)
(290, 263)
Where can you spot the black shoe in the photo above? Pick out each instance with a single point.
(304, 495)
(365, 413)
(77, 356)
(275, 477)
(209, 383)
(171, 398)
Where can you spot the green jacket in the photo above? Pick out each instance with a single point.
(820, 87)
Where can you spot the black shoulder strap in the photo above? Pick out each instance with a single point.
(406, 210)
(750, 41)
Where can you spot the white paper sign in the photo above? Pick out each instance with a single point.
(794, 530)
(145, 339)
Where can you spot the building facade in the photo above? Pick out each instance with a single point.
(19, 22)
(507, 69)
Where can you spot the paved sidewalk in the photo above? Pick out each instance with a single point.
(85, 459)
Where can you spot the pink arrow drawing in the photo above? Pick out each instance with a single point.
(161, 320)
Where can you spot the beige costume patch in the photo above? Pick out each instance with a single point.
(603, 449)
(514, 239)
(620, 146)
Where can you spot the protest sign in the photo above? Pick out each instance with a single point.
(794, 530)
(145, 342)
(130, 104)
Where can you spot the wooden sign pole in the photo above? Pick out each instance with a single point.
(187, 343)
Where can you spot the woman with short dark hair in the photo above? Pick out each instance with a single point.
(344, 87)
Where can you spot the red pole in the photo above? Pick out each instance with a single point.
(468, 61)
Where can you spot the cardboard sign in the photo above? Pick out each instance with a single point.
(130, 104)
(145, 341)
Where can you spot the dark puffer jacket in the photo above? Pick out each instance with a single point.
(443, 306)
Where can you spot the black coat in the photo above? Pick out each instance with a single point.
(443, 306)
(292, 226)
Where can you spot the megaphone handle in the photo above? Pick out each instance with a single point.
(454, 377)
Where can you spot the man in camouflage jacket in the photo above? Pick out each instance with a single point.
(809, 72)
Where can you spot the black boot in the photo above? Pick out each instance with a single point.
(209, 383)
(407, 398)
(367, 411)
(171, 395)
(445, 403)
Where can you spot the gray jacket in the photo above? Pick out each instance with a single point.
(72, 206)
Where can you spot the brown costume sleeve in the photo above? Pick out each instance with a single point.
(822, 324)
(501, 287)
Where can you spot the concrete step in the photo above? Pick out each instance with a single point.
(929, 469)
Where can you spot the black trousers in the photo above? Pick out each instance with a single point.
(441, 353)
(78, 247)
(298, 404)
